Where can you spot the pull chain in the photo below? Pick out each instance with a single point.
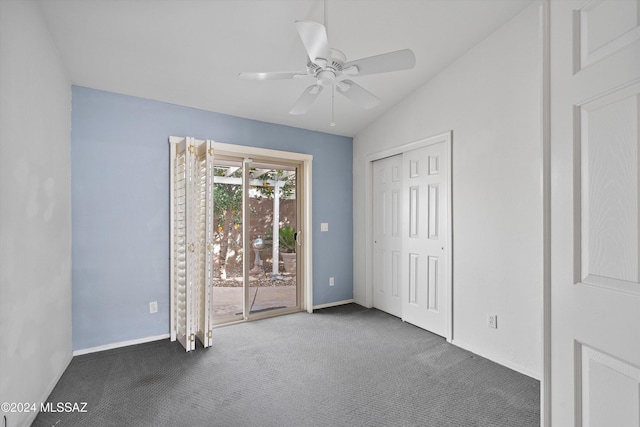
(333, 87)
(333, 93)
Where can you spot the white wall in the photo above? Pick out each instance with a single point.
(491, 99)
(35, 233)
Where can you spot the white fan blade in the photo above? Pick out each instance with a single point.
(314, 39)
(392, 61)
(307, 98)
(278, 75)
(357, 94)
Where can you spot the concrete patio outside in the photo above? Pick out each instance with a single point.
(227, 301)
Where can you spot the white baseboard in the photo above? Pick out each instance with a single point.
(45, 395)
(119, 344)
(333, 304)
(499, 360)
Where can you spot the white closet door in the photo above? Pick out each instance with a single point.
(387, 232)
(426, 242)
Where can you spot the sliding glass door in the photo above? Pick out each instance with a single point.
(238, 252)
(237, 217)
(255, 271)
(273, 217)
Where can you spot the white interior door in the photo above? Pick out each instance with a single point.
(595, 196)
(426, 243)
(387, 225)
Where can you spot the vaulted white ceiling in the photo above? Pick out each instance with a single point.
(189, 52)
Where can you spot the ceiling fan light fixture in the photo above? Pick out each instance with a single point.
(326, 78)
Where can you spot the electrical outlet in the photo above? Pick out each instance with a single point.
(153, 307)
(331, 281)
(492, 321)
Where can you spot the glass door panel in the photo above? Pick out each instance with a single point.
(264, 278)
(228, 278)
(272, 230)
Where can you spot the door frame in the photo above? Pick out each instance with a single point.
(305, 272)
(306, 269)
(545, 178)
(447, 139)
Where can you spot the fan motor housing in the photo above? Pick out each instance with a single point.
(334, 65)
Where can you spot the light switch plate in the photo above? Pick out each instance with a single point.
(324, 226)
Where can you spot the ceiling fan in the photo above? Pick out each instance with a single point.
(331, 69)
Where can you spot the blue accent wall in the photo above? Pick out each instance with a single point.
(120, 207)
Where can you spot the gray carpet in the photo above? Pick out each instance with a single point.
(342, 366)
